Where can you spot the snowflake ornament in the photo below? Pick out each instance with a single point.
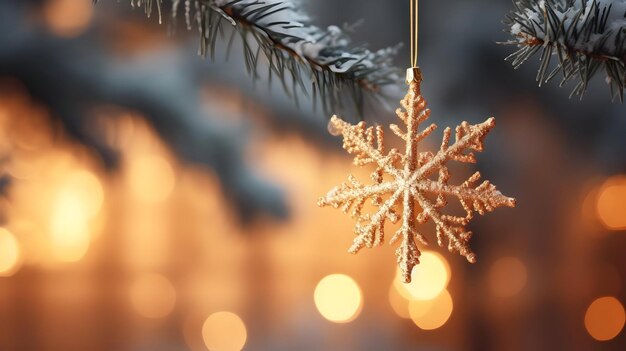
(413, 187)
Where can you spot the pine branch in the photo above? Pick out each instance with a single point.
(587, 36)
(322, 64)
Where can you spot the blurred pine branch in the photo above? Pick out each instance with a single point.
(171, 102)
(322, 64)
(587, 36)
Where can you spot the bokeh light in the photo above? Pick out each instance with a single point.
(87, 188)
(605, 318)
(153, 296)
(9, 253)
(69, 230)
(611, 203)
(68, 18)
(77, 201)
(431, 314)
(428, 279)
(398, 303)
(224, 331)
(338, 298)
(507, 276)
(150, 178)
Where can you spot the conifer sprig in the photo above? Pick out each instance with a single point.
(588, 37)
(321, 63)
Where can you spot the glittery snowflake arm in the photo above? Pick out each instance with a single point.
(366, 144)
(412, 187)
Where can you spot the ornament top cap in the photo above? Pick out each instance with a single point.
(413, 74)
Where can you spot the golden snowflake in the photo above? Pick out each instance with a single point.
(412, 183)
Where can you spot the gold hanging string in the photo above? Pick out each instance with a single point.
(414, 31)
(413, 74)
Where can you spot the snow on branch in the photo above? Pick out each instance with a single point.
(322, 63)
(587, 36)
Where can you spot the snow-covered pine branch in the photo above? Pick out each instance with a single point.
(587, 36)
(320, 62)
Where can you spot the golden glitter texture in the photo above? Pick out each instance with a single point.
(421, 197)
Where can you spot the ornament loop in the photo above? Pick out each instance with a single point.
(413, 74)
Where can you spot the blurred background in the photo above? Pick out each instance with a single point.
(153, 200)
